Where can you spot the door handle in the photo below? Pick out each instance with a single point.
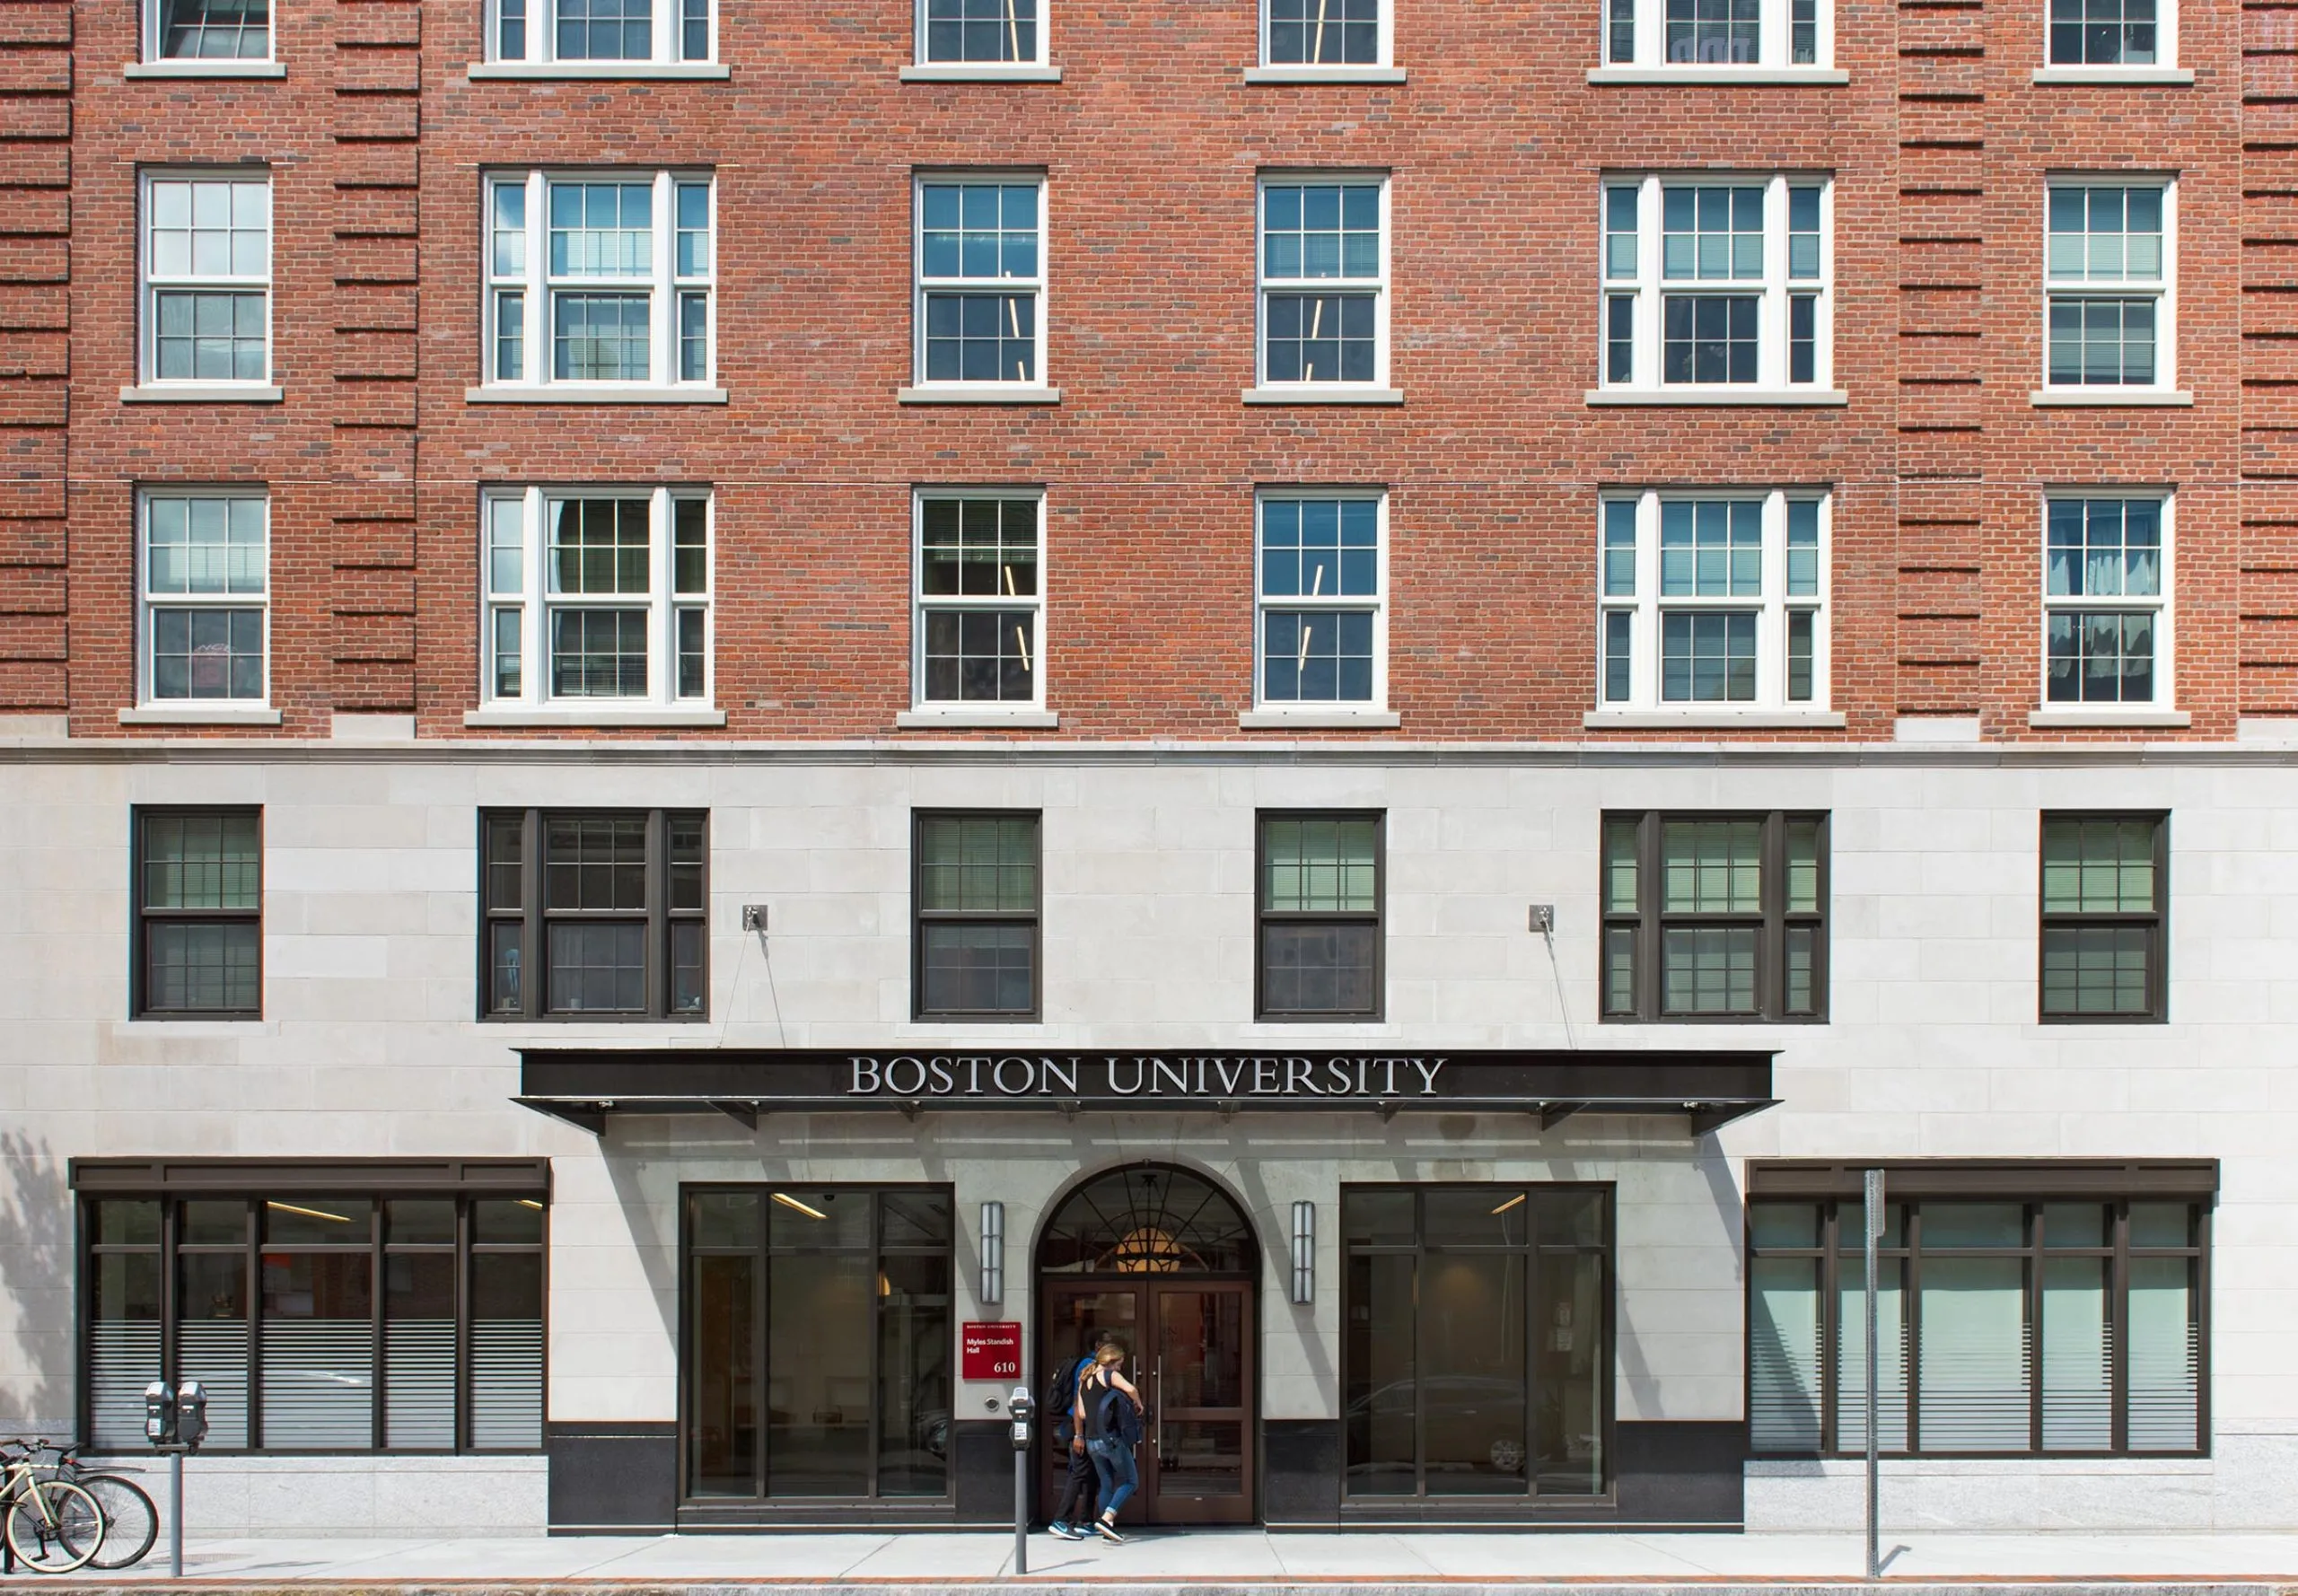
(1158, 1445)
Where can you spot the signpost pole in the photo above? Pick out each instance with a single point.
(1874, 1225)
(175, 1513)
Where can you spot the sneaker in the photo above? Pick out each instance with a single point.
(1108, 1531)
(1060, 1531)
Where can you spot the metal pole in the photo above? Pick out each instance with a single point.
(1873, 1218)
(1021, 1511)
(175, 1515)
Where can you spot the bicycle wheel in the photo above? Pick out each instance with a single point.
(131, 1522)
(62, 1539)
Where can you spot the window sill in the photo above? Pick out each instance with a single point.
(594, 393)
(1324, 75)
(201, 393)
(2108, 717)
(984, 395)
(986, 72)
(199, 715)
(595, 71)
(1752, 720)
(2163, 75)
(602, 717)
(1323, 396)
(1318, 720)
(1717, 396)
(954, 715)
(168, 69)
(1763, 76)
(2069, 399)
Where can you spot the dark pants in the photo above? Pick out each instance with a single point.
(1078, 1494)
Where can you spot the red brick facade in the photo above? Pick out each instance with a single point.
(375, 138)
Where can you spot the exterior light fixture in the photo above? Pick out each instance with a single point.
(993, 1252)
(1304, 1253)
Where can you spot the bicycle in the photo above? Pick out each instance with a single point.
(52, 1526)
(131, 1517)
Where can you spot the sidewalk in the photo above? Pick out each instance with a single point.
(1202, 1560)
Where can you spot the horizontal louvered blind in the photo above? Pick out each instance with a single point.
(1890, 1359)
(419, 1384)
(2165, 1356)
(1784, 1354)
(123, 1358)
(2078, 1357)
(506, 1384)
(319, 1385)
(214, 1353)
(1972, 1393)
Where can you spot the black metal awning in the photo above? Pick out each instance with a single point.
(583, 1086)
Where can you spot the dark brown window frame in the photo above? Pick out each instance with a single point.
(138, 956)
(1648, 921)
(1839, 1254)
(1377, 918)
(535, 919)
(254, 1184)
(920, 918)
(2157, 922)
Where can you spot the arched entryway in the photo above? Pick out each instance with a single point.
(1165, 1261)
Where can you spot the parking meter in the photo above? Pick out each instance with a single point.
(1022, 1410)
(191, 1413)
(159, 1414)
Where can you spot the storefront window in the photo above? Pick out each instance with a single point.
(1476, 1360)
(819, 1342)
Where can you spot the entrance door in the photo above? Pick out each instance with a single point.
(1190, 1346)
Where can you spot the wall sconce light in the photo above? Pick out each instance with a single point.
(1304, 1253)
(993, 1252)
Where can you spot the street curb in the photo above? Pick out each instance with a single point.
(1043, 1585)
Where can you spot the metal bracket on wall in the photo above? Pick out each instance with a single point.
(754, 916)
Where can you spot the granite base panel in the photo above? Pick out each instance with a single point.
(279, 1497)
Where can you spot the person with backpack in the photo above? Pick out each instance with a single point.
(1060, 1406)
(1108, 1414)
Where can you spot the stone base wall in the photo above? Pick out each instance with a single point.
(387, 1497)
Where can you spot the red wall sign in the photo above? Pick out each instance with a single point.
(989, 1351)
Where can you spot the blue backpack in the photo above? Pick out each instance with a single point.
(1061, 1401)
(1119, 1418)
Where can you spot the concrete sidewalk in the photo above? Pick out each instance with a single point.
(1203, 1560)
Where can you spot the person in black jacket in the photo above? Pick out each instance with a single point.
(1107, 1413)
(1061, 1406)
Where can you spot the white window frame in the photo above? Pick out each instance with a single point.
(148, 603)
(921, 604)
(2163, 291)
(2164, 66)
(1376, 288)
(150, 285)
(153, 31)
(534, 600)
(2160, 604)
(923, 54)
(542, 38)
(922, 286)
(1376, 605)
(1650, 288)
(1774, 44)
(1647, 605)
(1342, 70)
(662, 287)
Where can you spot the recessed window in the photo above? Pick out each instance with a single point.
(981, 280)
(1717, 34)
(207, 278)
(207, 30)
(979, 605)
(1713, 601)
(596, 596)
(976, 899)
(1322, 623)
(199, 891)
(206, 580)
(1715, 916)
(579, 31)
(2069, 1327)
(599, 278)
(593, 914)
(1319, 890)
(2108, 272)
(1336, 33)
(980, 33)
(2106, 601)
(1717, 281)
(2112, 32)
(1324, 266)
(2105, 900)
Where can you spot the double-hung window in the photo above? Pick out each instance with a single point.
(1324, 274)
(2113, 33)
(2105, 901)
(2107, 601)
(1694, 35)
(1714, 600)
(980, 33)
(980, 281)
(198, 897)
(2109, 268)
(1717, 283)
(593, 33)
(1322, 625)
(596, 596)
(206, 31)
(205, 569)
(593, 914)
(975, 902)
(206, 311)
(1335, 34)
(600, 279)
(980, 606)
(1715, 916)
(1321, 891)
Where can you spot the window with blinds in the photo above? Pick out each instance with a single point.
(2003, 1327)
(318, 1322)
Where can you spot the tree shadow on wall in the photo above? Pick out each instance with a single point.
(36, 1315)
